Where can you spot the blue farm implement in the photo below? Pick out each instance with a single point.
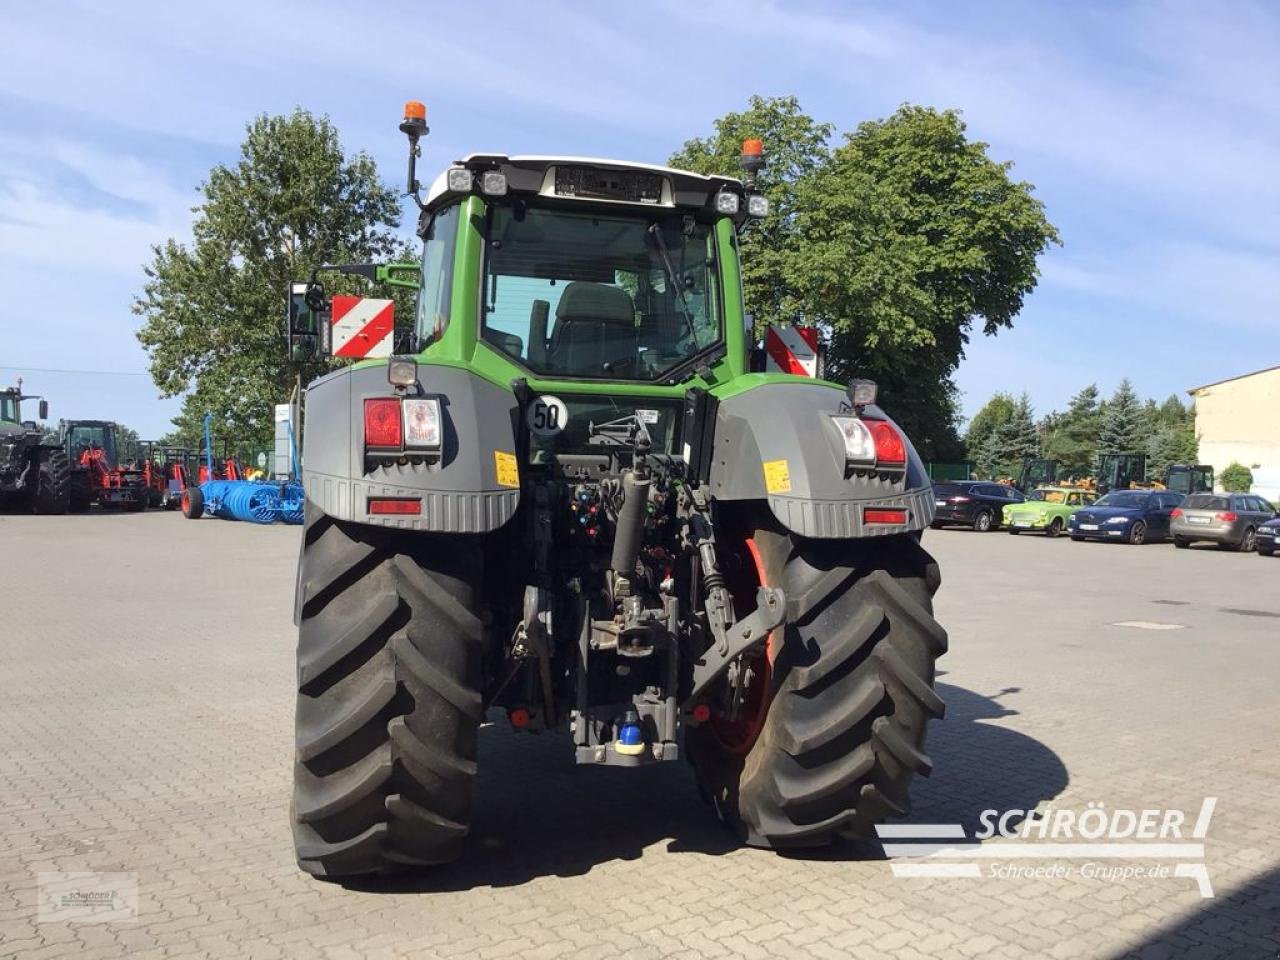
(253, 501)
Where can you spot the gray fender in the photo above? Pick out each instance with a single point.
(460, 491)
(785, 425)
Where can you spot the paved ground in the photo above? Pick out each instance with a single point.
(145, 728)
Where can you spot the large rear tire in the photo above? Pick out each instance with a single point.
(851, 693)
(53, 485)
(81, 492)
(389, 645)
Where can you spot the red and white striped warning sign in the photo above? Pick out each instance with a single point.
(362, 326)
(791, 350)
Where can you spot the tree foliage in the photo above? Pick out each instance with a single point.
(213, 308)
(994, 413)
(1071, 437)
(895, 244)
(1088, 427)
(1236, 478)
(1123, 424)
(1010, 441)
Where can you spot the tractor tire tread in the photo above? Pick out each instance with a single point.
(388, 698)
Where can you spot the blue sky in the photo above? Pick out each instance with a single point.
(1151, 132)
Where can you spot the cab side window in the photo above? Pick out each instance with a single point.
(436, 291)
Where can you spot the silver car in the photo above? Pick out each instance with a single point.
(1230, 520)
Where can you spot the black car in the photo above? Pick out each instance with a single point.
(972, 503)
(1268, 538)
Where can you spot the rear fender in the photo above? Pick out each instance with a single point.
(776, 443)
(460, 491)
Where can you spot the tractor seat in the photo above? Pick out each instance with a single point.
(595, 331)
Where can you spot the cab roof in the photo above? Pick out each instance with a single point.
(529, 174)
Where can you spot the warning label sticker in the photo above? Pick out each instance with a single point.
(777, 476)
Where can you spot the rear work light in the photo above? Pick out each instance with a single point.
(873, 515)
(396, 506)
(382, 426)
(871, 444)
(1227, 516)
(422, 423)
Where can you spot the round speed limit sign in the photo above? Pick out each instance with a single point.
(547, 416)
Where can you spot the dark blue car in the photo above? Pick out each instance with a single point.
(1127, 516)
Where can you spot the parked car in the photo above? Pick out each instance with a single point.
(1231, 520)
(1269, 537)
(972, 503)
(1126, 516)
(1047, 510)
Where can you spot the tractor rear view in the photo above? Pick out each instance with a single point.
(33, 472)
(577, 503)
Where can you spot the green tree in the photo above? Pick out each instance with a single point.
(1121, 429)
(213, 309)
(994, 413)
(1011, 441)
(895, 244)
(1071, 437)
(1171, 435)
(1236, 478)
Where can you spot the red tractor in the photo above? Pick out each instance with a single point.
(97, 473)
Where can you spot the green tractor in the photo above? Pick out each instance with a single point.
(576, 506)
(33, 472)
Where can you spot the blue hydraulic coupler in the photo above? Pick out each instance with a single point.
(630, 741)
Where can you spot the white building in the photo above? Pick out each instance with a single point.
(1238, 420)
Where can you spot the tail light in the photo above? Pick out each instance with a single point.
(1175, 512)
(958, 499)
(382, 424)
(891, 452)
(1227, 516)
(871, 444)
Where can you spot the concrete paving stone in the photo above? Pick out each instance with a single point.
(149, 730)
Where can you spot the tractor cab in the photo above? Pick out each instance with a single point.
(11, 408)
(90, 441)
(1187, 479)
(1121, 471)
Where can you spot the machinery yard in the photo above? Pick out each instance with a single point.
(149, 732)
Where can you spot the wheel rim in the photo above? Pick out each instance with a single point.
(1139, 532)
(186, 502)
(984, 521)
(1055, 528)
(1249, 539)
(738, 736)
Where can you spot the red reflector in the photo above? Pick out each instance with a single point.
(519, 718)
(871, 515)
(1227, 516)
(395, 506)
(382, 423)
(701, 712)
(890, 450)
(1176, 512)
